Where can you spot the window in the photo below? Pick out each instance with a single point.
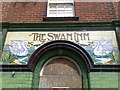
(60, 8)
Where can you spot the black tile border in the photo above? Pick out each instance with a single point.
(19, 68)
(24, 68)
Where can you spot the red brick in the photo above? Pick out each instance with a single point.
(33, 12)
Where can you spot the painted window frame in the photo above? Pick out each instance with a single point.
(58, 2)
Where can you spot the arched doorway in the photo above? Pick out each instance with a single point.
(60, 72)
(60, 48)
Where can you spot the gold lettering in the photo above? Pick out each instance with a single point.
(69, 35)
(86, 35)
(51, 36)
(57, 36)
(42, 37)
(79, 37)
(75, 36)
(38, 36)
(62, 37)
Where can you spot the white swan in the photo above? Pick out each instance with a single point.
(18, 48)
(103, 47)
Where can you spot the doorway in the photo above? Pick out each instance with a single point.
(60, 72)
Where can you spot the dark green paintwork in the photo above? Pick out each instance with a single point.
(1, 39)
(58, 25)
(4, 33)
(62, 29)
(117, 29)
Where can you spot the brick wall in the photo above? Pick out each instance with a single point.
(95, 12)
(23, 12)
(34, 12)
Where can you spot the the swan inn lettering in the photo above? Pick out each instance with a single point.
(60, 36)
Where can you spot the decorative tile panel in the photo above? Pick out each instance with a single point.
(101, 45)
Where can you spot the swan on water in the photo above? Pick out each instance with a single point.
(18, 48)
(103, 47)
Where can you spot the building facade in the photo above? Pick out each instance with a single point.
(60, 45)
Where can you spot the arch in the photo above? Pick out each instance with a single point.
(47, 62)
(62, 44)
(60, 52)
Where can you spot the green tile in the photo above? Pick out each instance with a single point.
(103, 79)
(20, 80)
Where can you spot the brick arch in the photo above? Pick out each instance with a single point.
(63, 44)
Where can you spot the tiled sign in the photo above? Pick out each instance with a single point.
(101, 45)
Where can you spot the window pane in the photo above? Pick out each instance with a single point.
(61, 7)
(60, 0)
(60, 12)
(68, 7)
(68, 0)
(52, 12)
(68, 13)
(53, 7)
(53, 0)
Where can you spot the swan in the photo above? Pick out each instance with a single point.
(18, 48)
(103, 47)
